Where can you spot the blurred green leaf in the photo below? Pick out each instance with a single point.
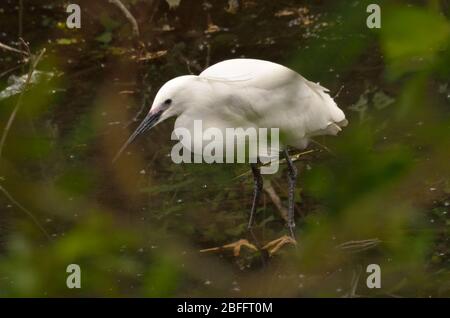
(105, 37)
(411, 37)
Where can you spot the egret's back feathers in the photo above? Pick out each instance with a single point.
(277, 96)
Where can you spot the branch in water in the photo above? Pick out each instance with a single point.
(33, 64)
(128, 15)
(9, 48)
(26, 211)
(268, 188)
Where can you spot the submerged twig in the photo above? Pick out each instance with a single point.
(268, 188)
(12, 69)
(359, 246)
(190, 64)
(323, 146)
(128, 15)
(208, 56)
(294, 158)
(20, 33)
(26, 211)
(354, 283)
(33, 64)
(338, 92)
(10, 48)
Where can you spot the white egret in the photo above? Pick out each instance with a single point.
(250, 93)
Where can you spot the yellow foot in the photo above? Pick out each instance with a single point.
(236, 246)
(273, 246)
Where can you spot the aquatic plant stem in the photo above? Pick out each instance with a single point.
(9, 48)
(34, 61)
(128, 15)
(26, 211)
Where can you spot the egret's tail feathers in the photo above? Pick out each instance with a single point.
(316, 88)
(334, 128)
(343, 123)
(325, 116)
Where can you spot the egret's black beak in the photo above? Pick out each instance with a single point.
(149, 121)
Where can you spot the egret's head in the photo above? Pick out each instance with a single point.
(171, 100)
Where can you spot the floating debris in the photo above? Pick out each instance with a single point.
(173, 4)
(212, 28)
(285, 13)
(359, 246)
(66, 41)
(167, 28)
(151, 55)
(16, 84)
(381, 100)
(233, 6)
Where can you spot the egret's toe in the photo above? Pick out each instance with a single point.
(273, 246)
(236, 247)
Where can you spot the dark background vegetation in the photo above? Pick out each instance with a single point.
(378, 193)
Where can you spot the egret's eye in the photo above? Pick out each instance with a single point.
(168, 102)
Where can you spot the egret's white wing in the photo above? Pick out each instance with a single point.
(259, 73)
(241, 69)
(277, 96)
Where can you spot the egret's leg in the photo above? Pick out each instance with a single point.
(236, 246)
(273, 246)
(258, 185)
(292, 178)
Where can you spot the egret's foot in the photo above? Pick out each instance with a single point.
(273, 246)
(236, 246)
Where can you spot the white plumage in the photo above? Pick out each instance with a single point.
(252, 93)
(244, 93)
(279, 97)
